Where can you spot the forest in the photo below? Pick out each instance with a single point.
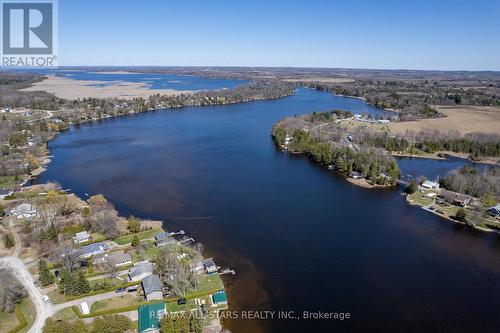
(477, 182)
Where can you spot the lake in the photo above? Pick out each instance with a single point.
(299, 236)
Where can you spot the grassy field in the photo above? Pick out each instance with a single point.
(127, 299)
(464, 119)
(66, 314)
(420, 198)
(9, 320)
(7, 181)
(126, 239)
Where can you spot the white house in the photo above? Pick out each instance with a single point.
(430, 185)
(81, 237)
(23, 211)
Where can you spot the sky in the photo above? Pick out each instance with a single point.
(386, 34)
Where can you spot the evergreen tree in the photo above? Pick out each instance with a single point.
(45, 275)
(8, 240)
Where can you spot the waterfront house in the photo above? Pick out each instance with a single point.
(430, 185)
(210, 266)
(457, 199)
(149, 316)
(152, 287)
(494, 211)
(166, 242)
(140, 271)
(355, 175)
(90, 250)
(81, 237)
(161, 236)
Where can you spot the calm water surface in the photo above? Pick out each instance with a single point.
(299, 237)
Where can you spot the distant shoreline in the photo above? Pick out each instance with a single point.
(74, 89)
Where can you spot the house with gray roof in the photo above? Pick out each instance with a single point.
(494, 211)
(167, 241)
(140, 271)
(120, 258)
(152, 286)
(90, 250)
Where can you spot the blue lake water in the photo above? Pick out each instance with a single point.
(154, 81)
(299, 236)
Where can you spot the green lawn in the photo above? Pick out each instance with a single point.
(7, 181)
(126, 299)
(8, 321)
(420, 199)
(66, 314)
(122, 240)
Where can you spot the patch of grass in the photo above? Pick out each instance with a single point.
(420, 199)
(7, 321)
(126, 239)
(7, 181)
(128, 299)
(29, 312)
(65, 315)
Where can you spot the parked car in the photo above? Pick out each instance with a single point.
(36, 283)
(181, 301)
(132, 289)
(120, 290)
(46, 299)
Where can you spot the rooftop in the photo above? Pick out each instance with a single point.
(150, 315)
(151, 284)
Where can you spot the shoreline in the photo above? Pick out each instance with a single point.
(72, 89)
(435, 156)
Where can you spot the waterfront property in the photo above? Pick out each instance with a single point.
(430, 185)
(494, 211)
(210, 266)
(454, 198)
(149, 316)
(166, 241)
(152, 287)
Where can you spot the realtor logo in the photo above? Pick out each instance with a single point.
(29, 33)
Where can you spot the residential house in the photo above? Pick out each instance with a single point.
(457, 199)
(140, 271)
(150, 316)
(161, 235)
(119, 259)
(430, 185)
(90, 250)
(152, 287)
(210, 266)
(81, 237)
(166, 242)
(24, 211)
(356, 175)
(4, 193)
(494, 211)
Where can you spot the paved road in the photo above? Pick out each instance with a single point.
(43, 310)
